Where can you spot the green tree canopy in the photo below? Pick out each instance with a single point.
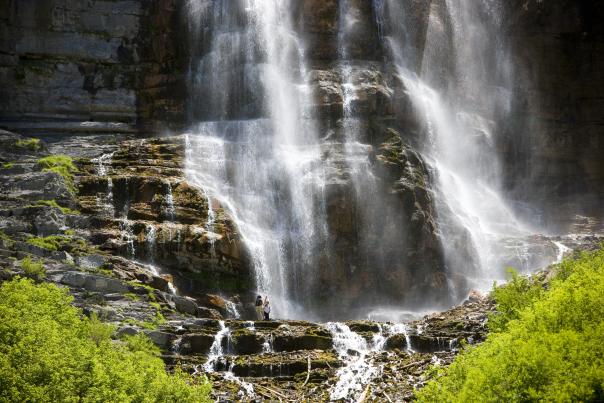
(546, 346)
(50, 352)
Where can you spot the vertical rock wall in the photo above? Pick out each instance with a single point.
(555, 143)
(111, 64)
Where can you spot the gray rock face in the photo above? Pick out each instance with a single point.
(160, 339)
(185, 305)
(94, 283)
(554, 146)
(67, 62)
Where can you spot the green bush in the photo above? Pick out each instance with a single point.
(550, 350)
(7, 165)
(34, 270)
(61, 164)
(518, 294)
(32, 144)
(49, 352)
(52, 242)
(67, 243)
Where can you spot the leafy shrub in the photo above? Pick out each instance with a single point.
(518, 294)
(34, 270)
(61, 164)
(49, 352)
(52, 242)
(550, 350)
(67, 243)
(32, 144)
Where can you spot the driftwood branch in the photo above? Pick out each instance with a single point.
(388, 397)
(364, 395)
(307, 373)
(414, 364)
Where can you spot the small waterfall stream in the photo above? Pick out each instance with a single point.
(357, 354)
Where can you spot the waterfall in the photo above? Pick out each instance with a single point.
(216, 350)
(170, 210)
(102, 169)
(355, 352)
(461, 95)
(253, 150)
(357, 371)
(325, 232)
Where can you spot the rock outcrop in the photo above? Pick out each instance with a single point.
(101, 66)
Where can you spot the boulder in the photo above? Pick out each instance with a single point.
(246, 342)
(397, 341)
(90, 261)
(196, 343)
(185, 305)
(160, 339)
(126, 331)
(94, 283)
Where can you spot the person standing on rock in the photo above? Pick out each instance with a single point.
(259, 305)
(267, 309)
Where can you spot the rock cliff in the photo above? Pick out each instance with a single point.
(554, 144)
(95, 66)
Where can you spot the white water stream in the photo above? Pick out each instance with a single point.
(358, 357)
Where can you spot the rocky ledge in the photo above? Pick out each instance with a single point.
(118, 225)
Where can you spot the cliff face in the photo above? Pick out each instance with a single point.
(555, 144)
(111, 64)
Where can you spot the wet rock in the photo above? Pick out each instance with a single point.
(397, 341)
(204, 312)
(363, 326)
(246, 342)
(301, 342)
(160, 339)
(196, 343)
(185, 305)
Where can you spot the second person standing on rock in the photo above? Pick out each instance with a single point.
(267, 309)
(259, 305)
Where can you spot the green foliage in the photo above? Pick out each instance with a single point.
(7, 165)
(132, 297)
(32, 144)
(34, 270)
(50, 353)
(61, 164)
(518, 294)
(53, 203)
(551, 351)
(67, 243)
(52, 242)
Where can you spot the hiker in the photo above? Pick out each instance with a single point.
(267, 309)
(259, 307)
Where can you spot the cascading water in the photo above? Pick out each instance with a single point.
(102, 169)
(359, 368)
(312, 207)
(260, 164)
(216, 351)
(461, 95)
